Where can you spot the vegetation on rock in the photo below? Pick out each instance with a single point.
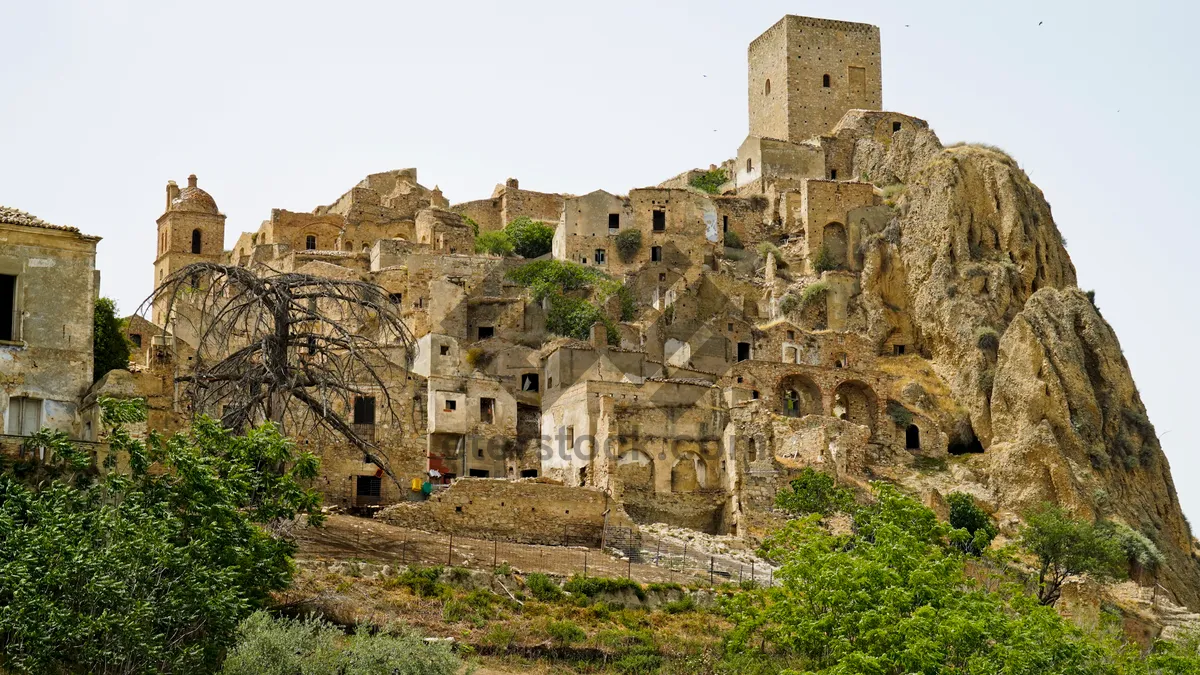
(710, 181)
(629, 242)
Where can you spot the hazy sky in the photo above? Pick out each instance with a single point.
(289, 104)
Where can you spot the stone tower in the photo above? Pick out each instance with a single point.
(806, 73)
(189, 230)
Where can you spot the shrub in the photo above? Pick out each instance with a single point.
(468, 220)
(789, 303)
(987, 339)
(495, 243)
(422, 581)
(968, 518)
(574, 317)
(1067, 547)
(638, 663)
(565, 633)
(710, 181)
(824, 261)
(629, 242)
(766, 247)
(568, 315)
(478, 357)
(530, 238)
(900, 415)
(500, 637)
(732, 240)
(1138, 548)
(813, 291)
(814, 492)
(110, 348)
(684, 604)
(542, 588)
(892, 193)
(593, 586)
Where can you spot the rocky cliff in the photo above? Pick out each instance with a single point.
(974, 266)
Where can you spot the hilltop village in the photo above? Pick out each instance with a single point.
(838, 295)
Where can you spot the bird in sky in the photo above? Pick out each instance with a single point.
(1040, 23)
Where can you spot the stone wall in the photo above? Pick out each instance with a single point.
(530, 511)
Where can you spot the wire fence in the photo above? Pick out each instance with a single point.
(624, 554)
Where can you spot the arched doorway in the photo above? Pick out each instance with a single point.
(854, 401)
(689, 474)
(799, 396)
(833, 240)
(196, 241)
(912, 437)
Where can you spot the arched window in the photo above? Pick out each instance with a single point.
(912, 437)
(825, 80)
(310, 242)
(348, 246)
(195, 241)
(753, 451)
(767, 88)
(749, 165)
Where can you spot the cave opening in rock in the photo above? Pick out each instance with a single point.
(964, 441)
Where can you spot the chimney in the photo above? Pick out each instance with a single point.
(192, 181)
(172, 193)
(512, 183)
(599, 335)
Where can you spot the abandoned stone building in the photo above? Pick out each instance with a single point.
(48, 287)
(739, 366)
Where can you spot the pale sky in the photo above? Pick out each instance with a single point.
(289, 104)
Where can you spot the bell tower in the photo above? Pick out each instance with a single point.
(191, 229)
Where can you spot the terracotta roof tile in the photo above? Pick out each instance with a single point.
(13, 216)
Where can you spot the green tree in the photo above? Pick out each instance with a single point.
(147, 569)
(110, 347)
(1068, 547)
(710, 181)
(975, 529)
(495, 243)
(814, 492)
(530, 238)
(629, 242)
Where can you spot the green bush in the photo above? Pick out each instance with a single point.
(824, 261)
(789, 303)
(468, 220)
(900, 415)
(1138, 548)
(987, 339)
(814, 492)
(574, 317)
(732, 240)
(710, 181)
(813, 292)
(684, 604)
(478, 357)
(569, 315)
(542, 588)
(638, 663)
(110, 347)
(629, 242)
(1068, 547)
(766, 247)
(977, 527)
(530, 238)
(423, 581)
(495, 243)
(565, 633)
(268, 646)
(593, 586)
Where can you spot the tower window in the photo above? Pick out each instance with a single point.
(600, 256)
(364, 410)
(767, 88)
(487, 411)
(749, 165)
(195, 241)
(833, 174)
(659, 220)
(310, 242)
(614, 221)
(8, 306)
(486, 332)
(655, 254)
(825, 81)
(896, 127)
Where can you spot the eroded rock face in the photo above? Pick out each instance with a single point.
(974, 268)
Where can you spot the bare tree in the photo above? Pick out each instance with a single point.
(291, 348)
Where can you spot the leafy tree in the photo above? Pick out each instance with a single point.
(530, 238)
(629, 242)
(892, 596)
(824, 261)
(966, 517)
(110, 347)
(1067, 547)
(814, 492)
(560, 283)
(150, 568)
(710, 181)
(732, 240)
(495, 243)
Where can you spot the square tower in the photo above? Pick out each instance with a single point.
(805, 73)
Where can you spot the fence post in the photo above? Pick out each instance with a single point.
(628, 567)
(585, 554)
(495, 552)
(710, 570)
(740, 566)
(752, 578)
(450, 554)
(657, 547)
(771, 578)
(403, 552)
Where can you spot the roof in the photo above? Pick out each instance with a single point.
(194, 199)
(13, 216)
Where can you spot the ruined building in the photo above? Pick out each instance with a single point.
(845, 293)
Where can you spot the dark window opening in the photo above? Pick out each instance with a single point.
(655, 254)
(529, 382)
(395, 298)
(895, 127)
(791, 404)
(754, 394)
(195, 241)
(486, 332)
(310, 243)
(583, 475)
(662, 276)
(749, 165)
(364, 410)
(458, 509)
(767, 88)
(912, 437)
(753, 451)
(824, 80)
(614, 221)
(478, 473)
(600, 256)
(898, 350)
(833, 174)
(311, 344)
(743, 351)
(659, 220)
(529, 473)
(487, 412)
(724, 223)
(451, 405)
(136, 339)
(791, 335)
(444, 350)
(369, 486)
